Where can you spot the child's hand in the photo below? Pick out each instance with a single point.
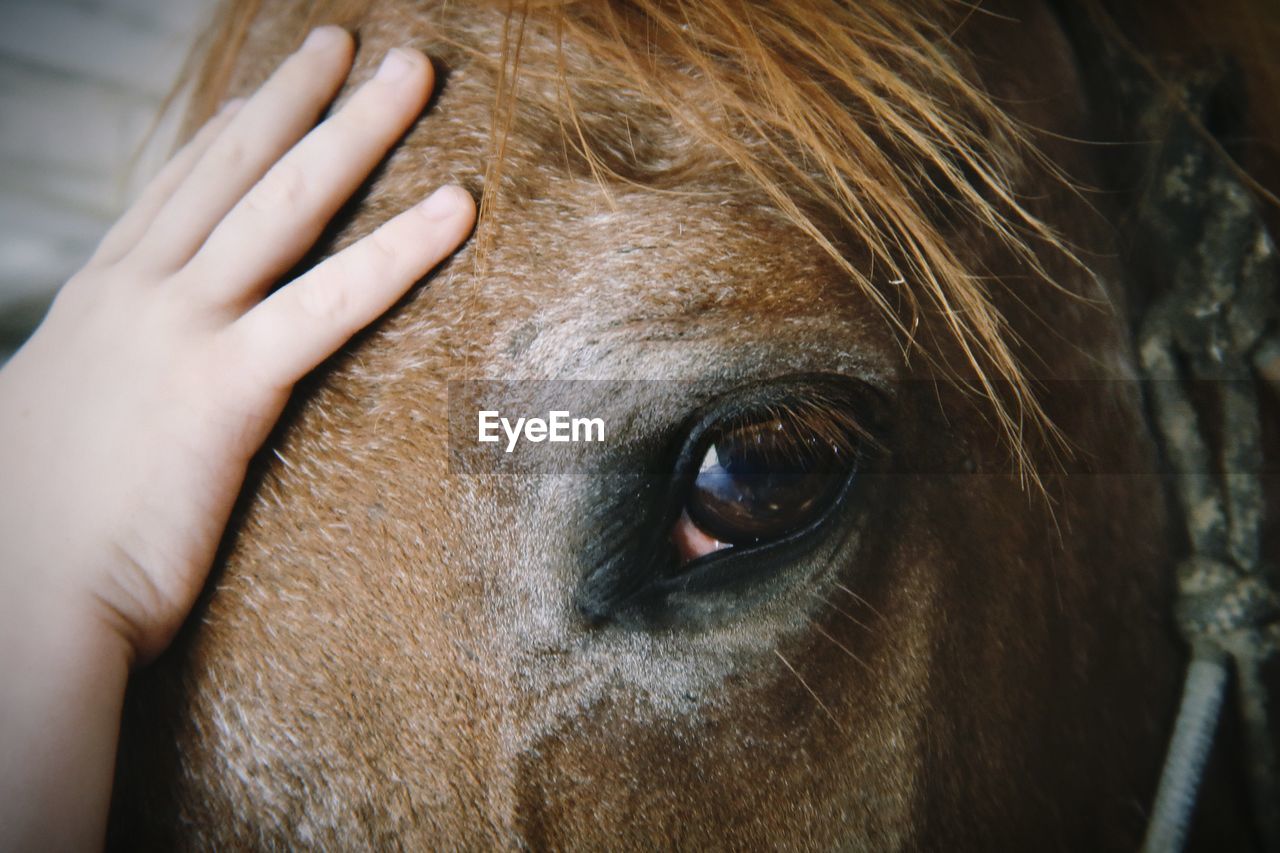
(128, 420)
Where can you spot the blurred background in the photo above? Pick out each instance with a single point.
(81, 84)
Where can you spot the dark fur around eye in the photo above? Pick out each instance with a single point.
(632, 573)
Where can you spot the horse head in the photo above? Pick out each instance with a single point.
(874, 552)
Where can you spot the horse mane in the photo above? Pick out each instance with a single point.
(852, 117)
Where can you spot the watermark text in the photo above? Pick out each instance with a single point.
(558, 426)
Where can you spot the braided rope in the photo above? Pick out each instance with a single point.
(1211, 330)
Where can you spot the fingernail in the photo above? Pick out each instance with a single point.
(442, 203)
(322, 38)
(395, 66)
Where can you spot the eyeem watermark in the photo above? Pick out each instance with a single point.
(558, 426)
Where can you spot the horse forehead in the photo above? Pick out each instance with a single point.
(576, 276)
(656, 266)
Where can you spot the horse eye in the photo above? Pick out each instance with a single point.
(761, 481)
(766, 475)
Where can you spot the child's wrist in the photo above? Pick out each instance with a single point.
(43, 606)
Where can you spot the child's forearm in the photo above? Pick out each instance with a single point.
(62, 676)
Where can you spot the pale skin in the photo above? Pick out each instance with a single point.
(128, 420)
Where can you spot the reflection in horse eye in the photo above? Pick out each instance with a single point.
(759, 482)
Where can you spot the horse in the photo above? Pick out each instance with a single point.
(880, 551)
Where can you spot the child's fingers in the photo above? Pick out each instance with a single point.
(280, 218)
(129, 228)
(268, 125)
(305, 322)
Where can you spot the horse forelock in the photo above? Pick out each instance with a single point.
(861, 122)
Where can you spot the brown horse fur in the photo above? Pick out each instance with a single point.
(390, 654)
